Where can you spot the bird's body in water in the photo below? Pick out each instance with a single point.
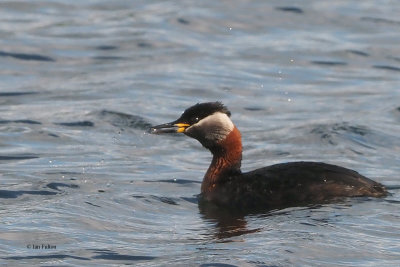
(275, 186)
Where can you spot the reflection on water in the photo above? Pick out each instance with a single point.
(228, 223)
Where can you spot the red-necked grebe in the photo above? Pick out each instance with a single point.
(279, 185)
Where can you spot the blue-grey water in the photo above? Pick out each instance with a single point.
(82, 183)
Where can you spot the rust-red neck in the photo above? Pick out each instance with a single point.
(227, 157)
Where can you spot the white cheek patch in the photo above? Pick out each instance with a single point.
(215, 127)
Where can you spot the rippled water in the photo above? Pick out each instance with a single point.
(83, 184)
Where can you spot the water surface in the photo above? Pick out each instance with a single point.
(83, 184)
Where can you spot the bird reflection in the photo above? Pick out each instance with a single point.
(232, 222)
(229, 223)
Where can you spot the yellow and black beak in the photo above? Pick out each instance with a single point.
(171, 127)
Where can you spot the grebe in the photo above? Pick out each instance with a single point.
(279, 185)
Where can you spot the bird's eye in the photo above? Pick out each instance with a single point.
(195, 120)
